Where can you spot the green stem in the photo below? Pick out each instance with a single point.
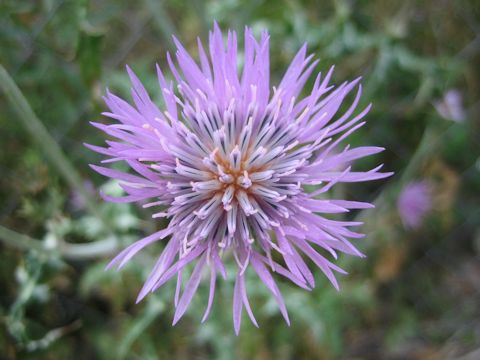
(162, 21)
(90, 250)
(19, 241)
(429, 144)
(67, 250)
(139, 326)
(39, 133)
(199, 7)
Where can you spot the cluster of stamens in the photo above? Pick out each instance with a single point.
(231, 181)
(218, 184)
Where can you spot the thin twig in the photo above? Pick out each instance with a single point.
(428, 145)
(19, 241)
(67, 250)
(162, 21)
(47, 144)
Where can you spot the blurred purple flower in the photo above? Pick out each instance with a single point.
(77, 201)
(227, 160)
(450, 106)
(414, 203)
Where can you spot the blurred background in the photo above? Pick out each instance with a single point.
(416, 295)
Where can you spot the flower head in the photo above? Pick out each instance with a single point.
(450, 106)
(414, 202)
(227, 159)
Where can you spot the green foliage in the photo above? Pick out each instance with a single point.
(416, 294)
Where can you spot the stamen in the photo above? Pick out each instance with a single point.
(244, 181)
(245, 204)
(232, 220)
(210, 206)
(261, 175)
(227, 197)
(206, 186)
(235, 157)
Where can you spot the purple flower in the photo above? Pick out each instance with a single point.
(227, 160)
(414, 203)
(76, 200)
(450, 106)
